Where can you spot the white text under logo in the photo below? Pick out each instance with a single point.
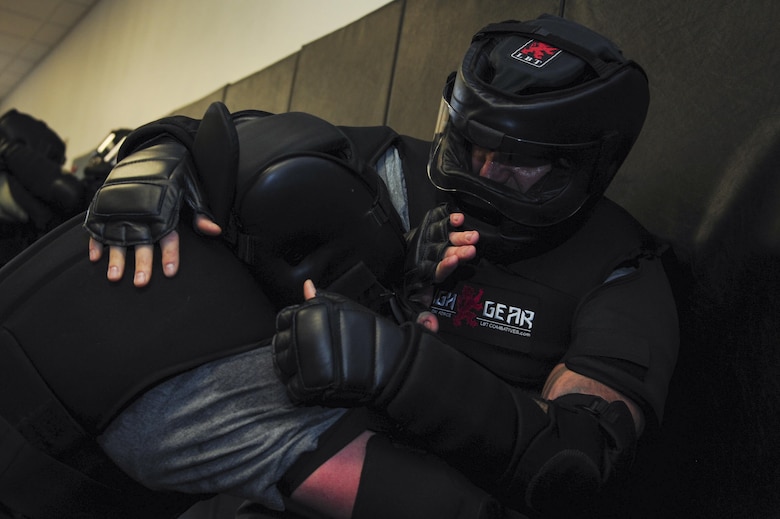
(507, 318)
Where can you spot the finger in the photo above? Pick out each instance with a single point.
(463, 253)
(459, 238)
(445, 267)
(429, 321)
(116, 263)
(95, 250)
(206, 226)
(144, 254)
(457, 219)
(169, 245)
(309, 290)
(453, 257)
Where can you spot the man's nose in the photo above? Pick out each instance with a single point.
(493, 170)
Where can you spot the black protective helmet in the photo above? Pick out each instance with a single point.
(535, 124)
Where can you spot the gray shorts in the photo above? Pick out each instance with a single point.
(224, 427)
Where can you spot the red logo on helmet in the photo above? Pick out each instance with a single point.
(536, 53)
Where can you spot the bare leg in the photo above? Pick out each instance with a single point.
(332, 488)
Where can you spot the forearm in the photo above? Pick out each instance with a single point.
(563, 381)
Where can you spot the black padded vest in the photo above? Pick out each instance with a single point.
(516, 319)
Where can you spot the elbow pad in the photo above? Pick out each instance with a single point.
(586, 440)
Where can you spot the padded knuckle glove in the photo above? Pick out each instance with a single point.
(331, 351)
(141, 199)
(426, 245)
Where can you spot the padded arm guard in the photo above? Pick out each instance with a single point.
(141, 199)
(330, 351)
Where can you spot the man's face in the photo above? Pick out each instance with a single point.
(491, 165)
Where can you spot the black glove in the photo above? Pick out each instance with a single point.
(425, 246)
(141, 199)
(334, 352)
(162, 164)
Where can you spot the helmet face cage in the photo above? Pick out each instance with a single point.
(536, 157)
(530, 183)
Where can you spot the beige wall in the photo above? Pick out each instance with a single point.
(131, 61)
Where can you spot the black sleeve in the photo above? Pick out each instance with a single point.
(626, 335)
(179, 127)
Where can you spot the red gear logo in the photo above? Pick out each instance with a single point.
(468, 304)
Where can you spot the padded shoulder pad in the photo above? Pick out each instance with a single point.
(314, 217)
(265, 140)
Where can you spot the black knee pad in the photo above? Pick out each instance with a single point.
(396, 481)
(399, 482)
(587, 441)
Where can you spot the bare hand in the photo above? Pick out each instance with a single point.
(144, 254)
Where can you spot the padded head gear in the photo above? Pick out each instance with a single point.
(307, 209)
(22, 129)
(535, 124)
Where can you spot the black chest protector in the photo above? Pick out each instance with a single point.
(516, 319)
